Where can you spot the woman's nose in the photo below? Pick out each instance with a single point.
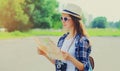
(63, 21)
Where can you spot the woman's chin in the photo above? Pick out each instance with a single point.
(66, 29)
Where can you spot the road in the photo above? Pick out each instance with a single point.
(21, 54)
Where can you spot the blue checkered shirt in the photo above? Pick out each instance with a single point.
(82, 51)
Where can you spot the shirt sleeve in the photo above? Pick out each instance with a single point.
(84, 52)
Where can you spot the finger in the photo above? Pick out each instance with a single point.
(63, 52)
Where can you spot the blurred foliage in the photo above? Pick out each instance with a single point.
(41, 12)
(22, 15)
(56, 21)
(12, 16)
(117, 24)
(114, 24)
(99, 22)
(84, 19)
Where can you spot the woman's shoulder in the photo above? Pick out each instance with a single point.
(82, 39)
(63, 36)
(61, 40)
(83, 42)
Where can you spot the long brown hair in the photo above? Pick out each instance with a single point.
(79, 26)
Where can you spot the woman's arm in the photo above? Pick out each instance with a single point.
(77, 63)
(51, 60)
(82, 54)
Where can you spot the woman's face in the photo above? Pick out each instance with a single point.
(67, 21)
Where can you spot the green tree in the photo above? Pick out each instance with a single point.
(117, 24)
(111, 25)
(114, 24)
(2, 5)
(12, 15)
(29, 7)
(84, 19)
(99, 22)
(56, 22)
(41, 12)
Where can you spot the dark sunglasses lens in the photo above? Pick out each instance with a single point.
(65, 19)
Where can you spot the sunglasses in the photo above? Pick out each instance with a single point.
(65, 18)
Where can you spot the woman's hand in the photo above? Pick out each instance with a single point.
(66, 55)
(41, 52)
(77, 63)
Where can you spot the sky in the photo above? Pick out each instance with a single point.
(108, 8)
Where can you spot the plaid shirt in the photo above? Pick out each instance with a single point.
(82, 51)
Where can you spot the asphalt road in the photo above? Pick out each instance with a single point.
(21, 55)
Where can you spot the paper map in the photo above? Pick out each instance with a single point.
(49, 47)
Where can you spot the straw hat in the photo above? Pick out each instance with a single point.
(72, 9)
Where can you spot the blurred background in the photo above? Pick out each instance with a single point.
(23, 20)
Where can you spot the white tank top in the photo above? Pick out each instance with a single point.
(71, 51)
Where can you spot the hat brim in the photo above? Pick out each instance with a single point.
(70, 14)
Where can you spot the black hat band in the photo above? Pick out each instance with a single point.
(71, 12)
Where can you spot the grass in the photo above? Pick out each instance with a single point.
(39, 32)
(50, 32)
(103, 32)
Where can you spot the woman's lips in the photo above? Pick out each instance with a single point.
(64, 25)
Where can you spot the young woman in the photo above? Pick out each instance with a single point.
(74, 45)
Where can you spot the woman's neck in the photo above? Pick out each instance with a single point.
(72, 34)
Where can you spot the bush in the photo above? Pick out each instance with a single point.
(56, 22)
(99, 22)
